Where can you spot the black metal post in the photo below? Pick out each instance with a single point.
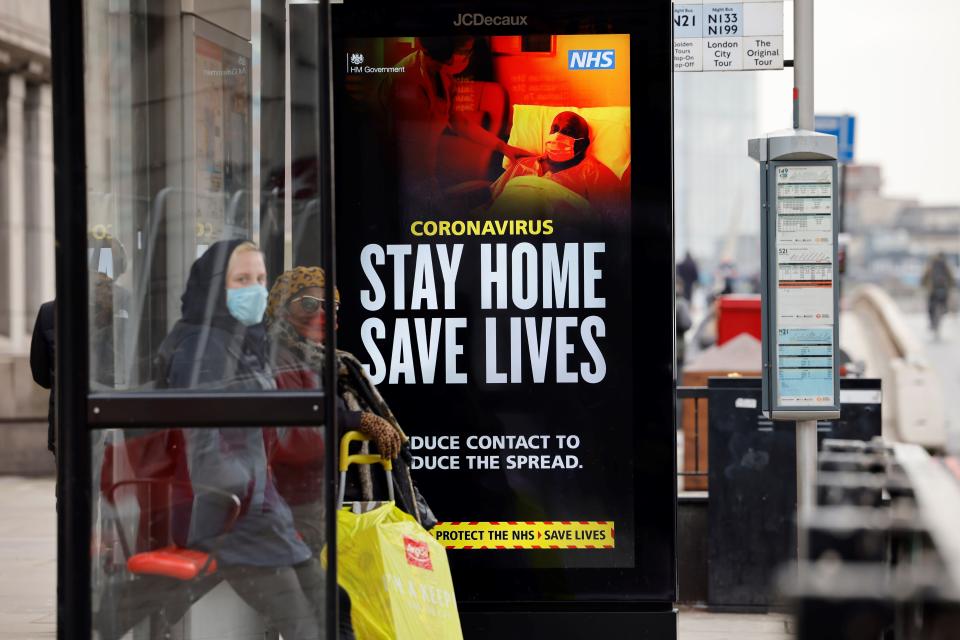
(72, 366)
(325, 184)
(273, 41)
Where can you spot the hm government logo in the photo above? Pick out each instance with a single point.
(356, 66)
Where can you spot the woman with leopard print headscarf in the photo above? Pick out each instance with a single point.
(296, 319)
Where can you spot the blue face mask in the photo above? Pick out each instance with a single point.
(248, 304)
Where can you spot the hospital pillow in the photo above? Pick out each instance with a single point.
(609, 132)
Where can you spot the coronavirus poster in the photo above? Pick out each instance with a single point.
(486, 235)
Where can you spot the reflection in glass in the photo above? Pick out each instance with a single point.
(222, 510)
(194, 537)
(296, 317)
(199, 532)
(174, 158)
(212, 509)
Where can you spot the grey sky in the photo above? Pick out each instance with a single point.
(896, 66)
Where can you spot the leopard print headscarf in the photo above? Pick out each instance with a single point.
(359, 393)
(289, 284)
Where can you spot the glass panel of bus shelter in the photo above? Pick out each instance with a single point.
(202, 197)
(195, 129)
(208, 533)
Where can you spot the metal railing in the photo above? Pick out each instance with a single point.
(694, 398)
(23, 420)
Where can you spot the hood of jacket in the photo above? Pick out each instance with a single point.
(206, 327)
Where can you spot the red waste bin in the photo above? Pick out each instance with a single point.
(736, 314)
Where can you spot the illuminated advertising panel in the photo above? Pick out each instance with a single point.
(506, 280)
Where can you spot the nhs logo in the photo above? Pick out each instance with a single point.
(586, 59)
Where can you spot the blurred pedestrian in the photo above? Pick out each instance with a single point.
(42, 363)
(726, 277)
(938, 280)
(689, 274)
(684, 322)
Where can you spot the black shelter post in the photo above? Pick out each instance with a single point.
(328, 229)
(73, 437)
(273, 110)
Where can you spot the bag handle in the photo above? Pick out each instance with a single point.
(346, 459)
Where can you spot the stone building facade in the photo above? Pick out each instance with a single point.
(26, 227)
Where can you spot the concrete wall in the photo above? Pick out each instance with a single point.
(25, 28)
(23, 420)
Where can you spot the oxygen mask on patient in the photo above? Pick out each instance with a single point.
(560, 147)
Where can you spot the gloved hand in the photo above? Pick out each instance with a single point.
(383, 434)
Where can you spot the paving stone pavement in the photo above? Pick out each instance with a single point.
(28, 559)
(28, 551)
(697, 624)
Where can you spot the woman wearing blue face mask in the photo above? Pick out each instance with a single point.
(219, 344)
(219, 341)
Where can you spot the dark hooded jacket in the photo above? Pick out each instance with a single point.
(209, 350)
(42, 360)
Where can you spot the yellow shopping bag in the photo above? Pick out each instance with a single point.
(396, 574)
(397, 577)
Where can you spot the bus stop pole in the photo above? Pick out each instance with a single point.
(803, 64)
(806, 480)
(803, 119)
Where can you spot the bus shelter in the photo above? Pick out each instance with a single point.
(484, 188)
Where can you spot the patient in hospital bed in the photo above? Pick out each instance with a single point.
(564, 181)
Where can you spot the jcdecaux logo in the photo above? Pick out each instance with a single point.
(591, 59)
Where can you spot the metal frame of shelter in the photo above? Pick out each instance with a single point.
(78, 410)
